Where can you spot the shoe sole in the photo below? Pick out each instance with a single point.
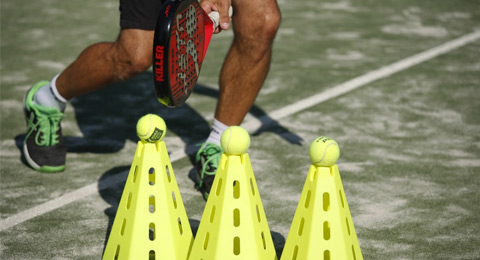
(45, 168)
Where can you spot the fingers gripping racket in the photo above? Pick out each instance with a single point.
(182, 35)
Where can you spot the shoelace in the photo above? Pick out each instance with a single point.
(213, 153)
(48, 127)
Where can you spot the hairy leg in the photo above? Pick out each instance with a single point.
(107, 62)
(246, 66)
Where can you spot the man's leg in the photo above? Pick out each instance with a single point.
(255, 24)
(96, 67)
(104, 63)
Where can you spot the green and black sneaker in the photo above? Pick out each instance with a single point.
(43, 146)
(206, 163)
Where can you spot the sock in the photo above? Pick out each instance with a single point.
(216, 132)
(48, 96)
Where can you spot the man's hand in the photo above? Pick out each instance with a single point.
(221, 6)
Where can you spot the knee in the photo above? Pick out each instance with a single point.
(270, 22)
(131, 63)
(263, 27)
(131, 56)
(257, 35)
(139, 61)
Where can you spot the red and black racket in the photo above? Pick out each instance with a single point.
(182, 35)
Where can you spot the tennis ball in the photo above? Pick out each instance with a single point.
(324, 151)
(151, 128)
(235, 140)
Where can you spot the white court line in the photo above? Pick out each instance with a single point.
(254, 124)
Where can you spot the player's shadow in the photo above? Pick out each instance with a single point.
(108, 117)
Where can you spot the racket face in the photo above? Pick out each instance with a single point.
(178, 50)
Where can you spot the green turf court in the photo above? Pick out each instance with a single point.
(409, 141)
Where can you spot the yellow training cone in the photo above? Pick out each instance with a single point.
(234, 224)
(322, 227)
(151, 221)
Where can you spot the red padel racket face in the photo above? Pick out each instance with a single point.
(186, 50)
(183, 54)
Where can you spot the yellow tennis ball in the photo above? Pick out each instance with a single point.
(151, 128)
(235, 140)
(324, 151)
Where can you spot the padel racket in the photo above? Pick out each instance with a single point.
(182, 34)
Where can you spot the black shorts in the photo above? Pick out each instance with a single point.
(139, 14)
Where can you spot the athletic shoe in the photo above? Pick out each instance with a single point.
(206, 162)
(43, 146)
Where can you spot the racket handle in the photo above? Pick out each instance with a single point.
(215, 17)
